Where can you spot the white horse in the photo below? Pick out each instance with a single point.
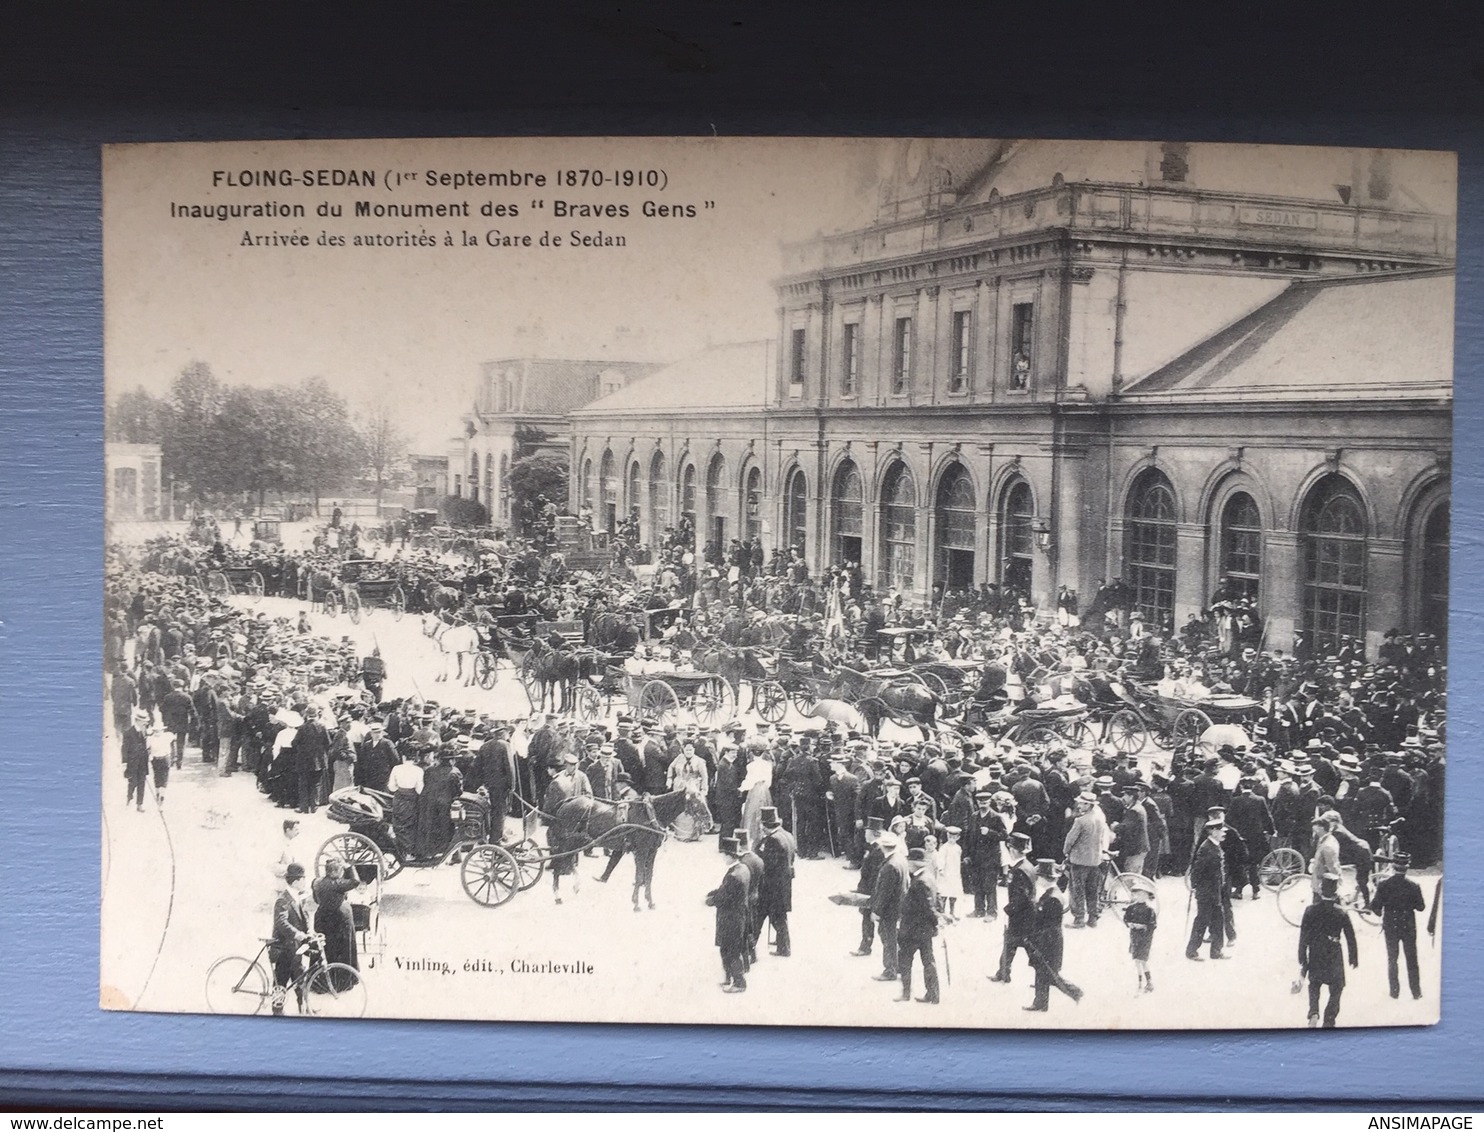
(837, 711)
(455, 642)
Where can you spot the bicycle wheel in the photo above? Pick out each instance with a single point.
(1278, 866)
(237, 985)
(1294, 895)
(335, 990)
(1116, 891)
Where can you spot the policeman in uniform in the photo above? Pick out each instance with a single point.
(1324, 924)
(1399, 898)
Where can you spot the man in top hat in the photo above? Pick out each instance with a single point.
(1320, 959)
(1047, 942)
(755, 868)
(886, 901)
(1208, 887)
(1020, 905)
(866, 883)
(730, 901)
(494, 769)
(918, 925)
(775, 897)
(1398, 899)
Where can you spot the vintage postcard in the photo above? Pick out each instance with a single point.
(987, 583)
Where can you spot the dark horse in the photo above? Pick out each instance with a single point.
(634, 825)
(908, 705)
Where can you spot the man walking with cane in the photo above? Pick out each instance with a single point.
(1047, 942)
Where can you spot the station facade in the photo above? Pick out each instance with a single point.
(1041, 382)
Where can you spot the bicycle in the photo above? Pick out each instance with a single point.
(1116, 889)
(236, 985)
(1297, 892)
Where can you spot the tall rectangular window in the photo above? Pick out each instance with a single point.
(901, 356)
(850, 358)
(797, 358)
(963, 334)
(1022, 344)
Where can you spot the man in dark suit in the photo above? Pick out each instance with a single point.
(1253, 822)
(311, 756)
(208, 709)
(176, 713)
(375, 759)
(981, 859)
(1020, 906)
(290, 930)
(1047, 942)
(755, 868)
(776, 893)
(1399, 898)
(730, 901)
(886, 902)
(1324, 924)
(917, 927)
(843, 796)
(866, 883)
(727, 809)
(1208, 886)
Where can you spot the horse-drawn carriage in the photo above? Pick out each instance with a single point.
(661, 696)
(267, 528)
(372, 592)
(227, 580)
(489, 873)
(1172, 722)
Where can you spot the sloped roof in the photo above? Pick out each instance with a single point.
(556, 386)
(1387, 336)
(735, 375)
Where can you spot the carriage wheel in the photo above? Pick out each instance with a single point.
(397, 603)
(486, 669)
(1039, 740)
(770, 701)
(1189, 726)
(1278, 866)
(1295, 895)
(353, 605)
(658, 701)
(714, 704)
(332, 604)
(1126, 731)
(804, 699)
(934, 684)
(357, 851)
(217, 584)
(530, 863)
(490, 875)
(589, 703)
(1080, 734)
(255, 587)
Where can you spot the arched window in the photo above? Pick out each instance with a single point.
(1433, 607)
(716, 523)
(634, 497)
(1149, 552)
(688, 497)
(608, 489)
(957, 527)
(1017, 537)
(1241, 546)
(1332, 539)
(898, 530)
(474, 476)
(796, 510)
(659, 499)
(847, 514)
(752, 504)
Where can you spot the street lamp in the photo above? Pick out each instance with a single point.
(1042, 530)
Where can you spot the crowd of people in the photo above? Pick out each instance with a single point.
(1341, 753)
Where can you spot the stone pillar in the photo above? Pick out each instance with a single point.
(1067, 528)
(1280, 594)
(1190, 571)
(1386, 593)
(927, 521)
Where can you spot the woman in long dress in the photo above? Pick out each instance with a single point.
(405, 784)
(757, 792)
(333, 917)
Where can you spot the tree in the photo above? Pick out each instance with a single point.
(385, 446)
(191, 448)
(533, 476)
(138, 417)
(327, 449)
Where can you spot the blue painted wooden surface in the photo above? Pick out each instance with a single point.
(102, 87)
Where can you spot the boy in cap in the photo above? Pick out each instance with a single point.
(1320, 959)
(1141, 919)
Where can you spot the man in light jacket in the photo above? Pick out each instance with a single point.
(1085, 843)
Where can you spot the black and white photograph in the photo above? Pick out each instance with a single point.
(926, 583)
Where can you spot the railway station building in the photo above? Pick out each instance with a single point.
(1038, 374)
